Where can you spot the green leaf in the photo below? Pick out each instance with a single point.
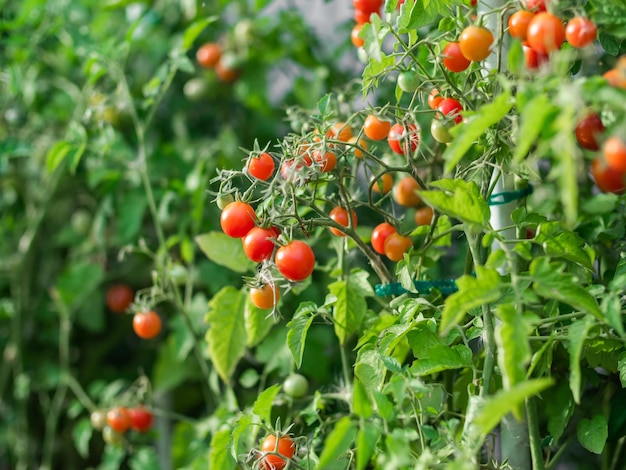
(441, 357)
(226, 336)
(513, 348)
(361, 405)
(494, 408)
(592, 433)
(351, 305)
(194, 30)
(370, 370)
(298, 329)
(337, 443)
(81, 434)
(551, 282)
(57, 154)
(612, 308)
(577, 335)
(473, 292)
(459, 199)
(263, 404)
(420, 13)
(169, 369)
(468, 133)
(366, 440)
(145, 458)
(621, 366)
(225, 251)
(219, 457)
(130, 216)
(243, 426)
(515, 57)
(258, 324)
(75, 287)
(533, 117)
(559, 242)
(559, 406)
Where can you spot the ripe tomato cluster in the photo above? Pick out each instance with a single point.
(117, 421)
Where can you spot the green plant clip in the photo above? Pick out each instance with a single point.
(446, 287)
(509, 196)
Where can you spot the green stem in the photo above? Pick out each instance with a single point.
(536, 453)
(346, 370)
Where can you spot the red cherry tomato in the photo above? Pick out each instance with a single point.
(282, 446)
(341, 216)
(361, 16)
(614, 150)
(403, 140)
(518, 24)
(396, 245)
(580, 32)
(119, 297)
(147, 325)
(451, 108)
(533, 59)
(606, 178)
(265, 297)
(257, 244)
(141, 419)
(546, 33)
(237, 219)
(588, 130)
(434, 98)
(536, 5)
(453, 58)
(475, 43)
(261, 167)
(295, 261)
(371, 6)
(326, 160)
(209, 55)
(380, 234)
(118, 419)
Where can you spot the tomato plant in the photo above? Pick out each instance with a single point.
(408, 81)
(147, 324)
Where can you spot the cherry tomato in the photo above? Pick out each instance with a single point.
(257, 244)
(383, 185)
(295, 261)
(588, 130)
(147, 324)
(396, 245)
(453, 58)
(118, 419)
(451, 108)
(380, 234)
(408, 81)
(440, 131)
(237, 219)
(141, 419)
(434, 98)
(424, 216)
(261, 167)
(281, 448)
(399, 4)
(265, 297)
(225, 73)
(119, 297)
(606, 178)
(375, 128)
(403, 140)
(340, 131)
(354, 36)
(209, 55)
(327, 160)
(290, 170)
(361, 16)
(112, 437)
(358, 146)
(536, 5)
(98, 419)
(475, 43)
(580, 32)
(404, 192)
(341, 216)
(546, 33)
(518, 24)
(224, 200)
(614, 150)
(534, 59)
(296, 386)
(371, 6)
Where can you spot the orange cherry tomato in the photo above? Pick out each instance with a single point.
(375, 128)
(396, 245)
(380, 234)
(208, 55)
(606, 178)
(404, 192)
(518, 24)
(265, 297)
(277, 449)
(614, 150)
(147, 325)
(546, 33)
(118, 419)
(383, 184)
(424, 216)
(434, 98)
(341, 216)
(340, 131)
(326, 160)
(580, 32)
(359, 146)
(354, 36)
(475, 43)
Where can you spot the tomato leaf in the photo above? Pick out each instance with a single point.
(360, 401)
(458, 199)
(145, 458)
(441, 357)
(370, 370)
(243, 426)
(559, 406)
(81, 434)
(366, 440)
(258, 324)
(57, 154)
(350, 307)
(263, 405)
(469, 132)
(298, 329)
(592, 433)
(416, 14)
(473, 292)
(621, 365)
(130, 216)
(225, 251)
(558, 242)
(337, 443)
(513, 346)
(226, 336)
(194, 30)
(493, 409)
(219, 457)
(577, 335)
(169, 369)
(533, 116)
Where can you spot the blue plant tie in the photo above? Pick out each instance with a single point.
(509, 196)
(446, 287)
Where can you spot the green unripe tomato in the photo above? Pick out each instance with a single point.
(440, 131)
(195, 89)
(225, 200)
(112, 437)
(98, 420)
(408, 81)
(296, 386)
